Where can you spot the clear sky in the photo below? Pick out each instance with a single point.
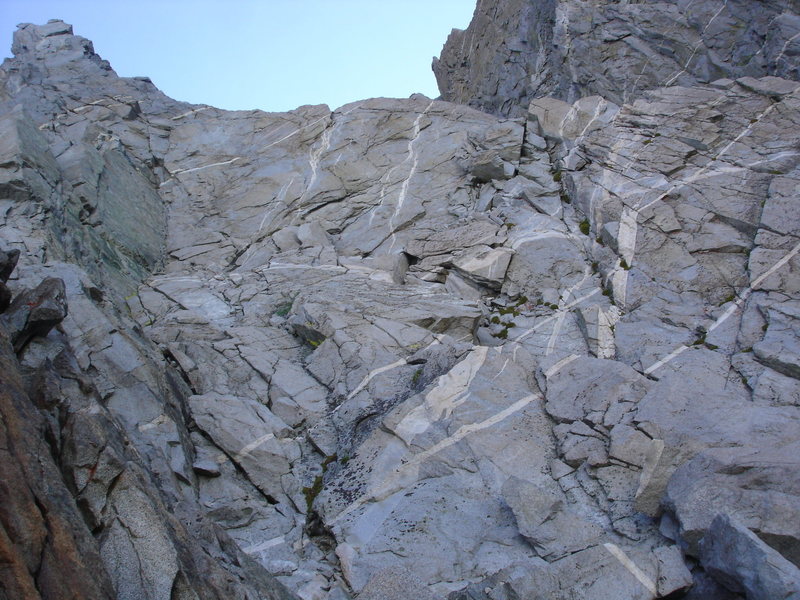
(270, 54)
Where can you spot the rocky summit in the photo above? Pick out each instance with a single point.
(536, 339)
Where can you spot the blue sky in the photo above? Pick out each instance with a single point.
(269, 54)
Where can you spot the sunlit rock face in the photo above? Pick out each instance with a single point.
(406, 348)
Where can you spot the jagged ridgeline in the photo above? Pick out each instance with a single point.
(538, 339)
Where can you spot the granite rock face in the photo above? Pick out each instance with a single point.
(404, 348)
(515, 51)
(81, 515)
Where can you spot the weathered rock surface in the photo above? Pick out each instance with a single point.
(745, 564)
(758, 488)
(515, 51)
(406, 348)
(35, 312)
(81, 516)
(46, 550)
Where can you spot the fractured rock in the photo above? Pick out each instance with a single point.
(758, 488)
(514, 51)
(35, 312)
(407, 347)
(545, 519)
(743, 563)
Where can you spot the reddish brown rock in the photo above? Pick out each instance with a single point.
(45, 549)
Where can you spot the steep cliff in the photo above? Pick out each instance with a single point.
(403, 349)
(516, 50)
